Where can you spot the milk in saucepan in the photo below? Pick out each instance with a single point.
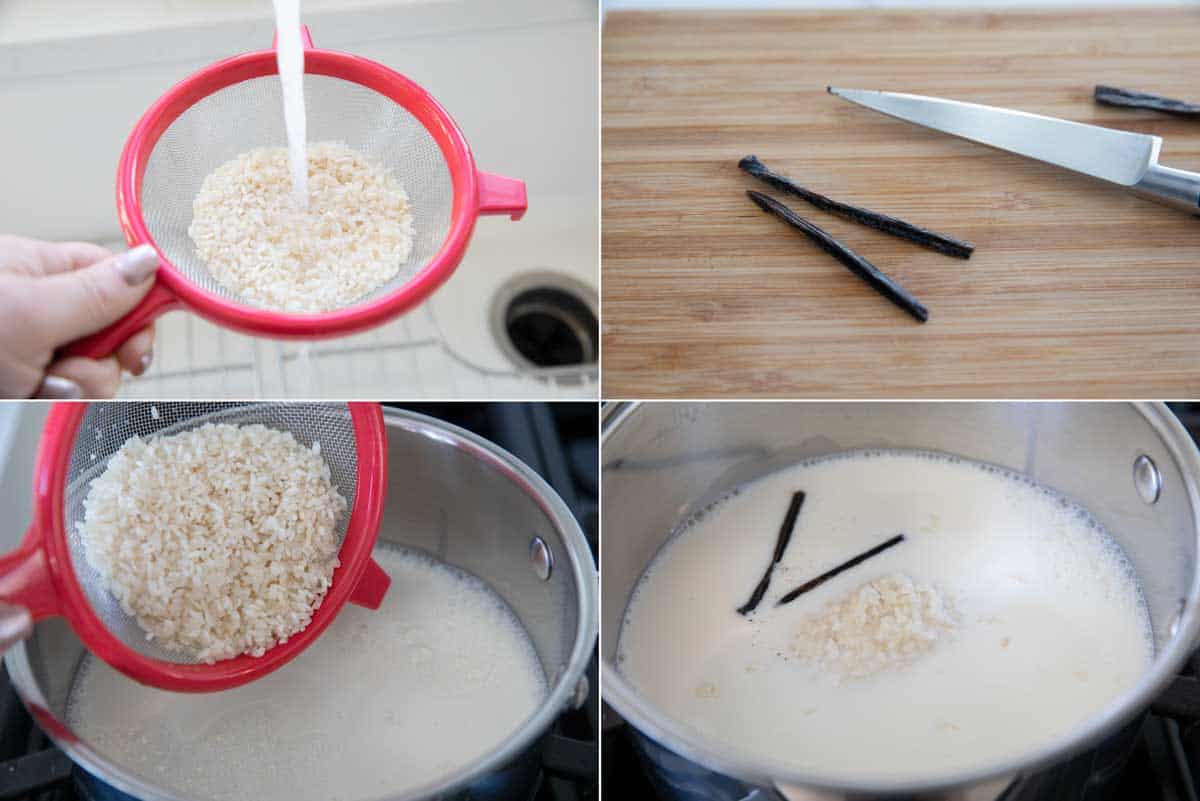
(1049, 625)
(436, 678)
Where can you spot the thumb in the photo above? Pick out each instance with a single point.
(81, 302)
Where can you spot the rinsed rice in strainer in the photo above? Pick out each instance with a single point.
(219, 541)
(354, 236)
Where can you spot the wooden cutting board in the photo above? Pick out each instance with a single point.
(1077, 288)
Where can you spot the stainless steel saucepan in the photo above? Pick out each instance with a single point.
(465, 502)
(1132, 466)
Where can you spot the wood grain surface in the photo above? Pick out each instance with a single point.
(1076, 289)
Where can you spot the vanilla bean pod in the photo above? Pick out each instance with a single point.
(1127, 98)
(880, 222)
(879, 281)
(808, 586)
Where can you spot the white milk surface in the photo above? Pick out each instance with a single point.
(440, 675)
(1051, 625)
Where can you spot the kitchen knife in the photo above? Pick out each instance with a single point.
(1120, 157)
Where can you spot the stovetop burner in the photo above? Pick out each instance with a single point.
(557, 440)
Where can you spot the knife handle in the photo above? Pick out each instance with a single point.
(1178, 188)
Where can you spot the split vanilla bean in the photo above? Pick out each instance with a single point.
(1127, 98)
(879, 280)
(781, 544)
(844, 566)
(880, 222)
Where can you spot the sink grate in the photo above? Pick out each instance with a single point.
(197, 359)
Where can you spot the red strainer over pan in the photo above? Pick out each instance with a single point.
(49, 573)
(236, 105)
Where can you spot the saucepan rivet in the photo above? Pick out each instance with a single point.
(541, 558)
(1146, 478)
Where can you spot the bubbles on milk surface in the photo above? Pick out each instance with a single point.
(1046, 608)
(442, 673)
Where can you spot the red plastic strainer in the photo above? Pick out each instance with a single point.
(49, 573)
(236, 105)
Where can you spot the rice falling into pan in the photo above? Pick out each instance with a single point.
(218, 541)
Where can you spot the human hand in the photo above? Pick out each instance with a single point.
(53, 293)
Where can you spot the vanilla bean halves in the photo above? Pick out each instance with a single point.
(1127, 98)
(781, 544)
(812, 584)
(879, 281)
(872, 219)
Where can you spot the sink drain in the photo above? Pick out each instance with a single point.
(547, 320)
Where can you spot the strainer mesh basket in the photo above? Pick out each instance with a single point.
(108, 426)
(246, 115)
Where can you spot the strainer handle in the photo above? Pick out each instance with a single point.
(371, 588)
(158, 301)
(25, 579)
(500, 195)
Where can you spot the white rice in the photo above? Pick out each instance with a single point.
(884, 624)
(354, 237)
(219, 541)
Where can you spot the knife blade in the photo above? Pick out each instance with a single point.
(1121, 157)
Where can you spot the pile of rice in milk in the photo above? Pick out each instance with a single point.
(885, 624)
(353, 237)
(219, 541)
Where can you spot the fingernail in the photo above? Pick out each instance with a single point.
(55, 387)
(145, 361)
(138, 264)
